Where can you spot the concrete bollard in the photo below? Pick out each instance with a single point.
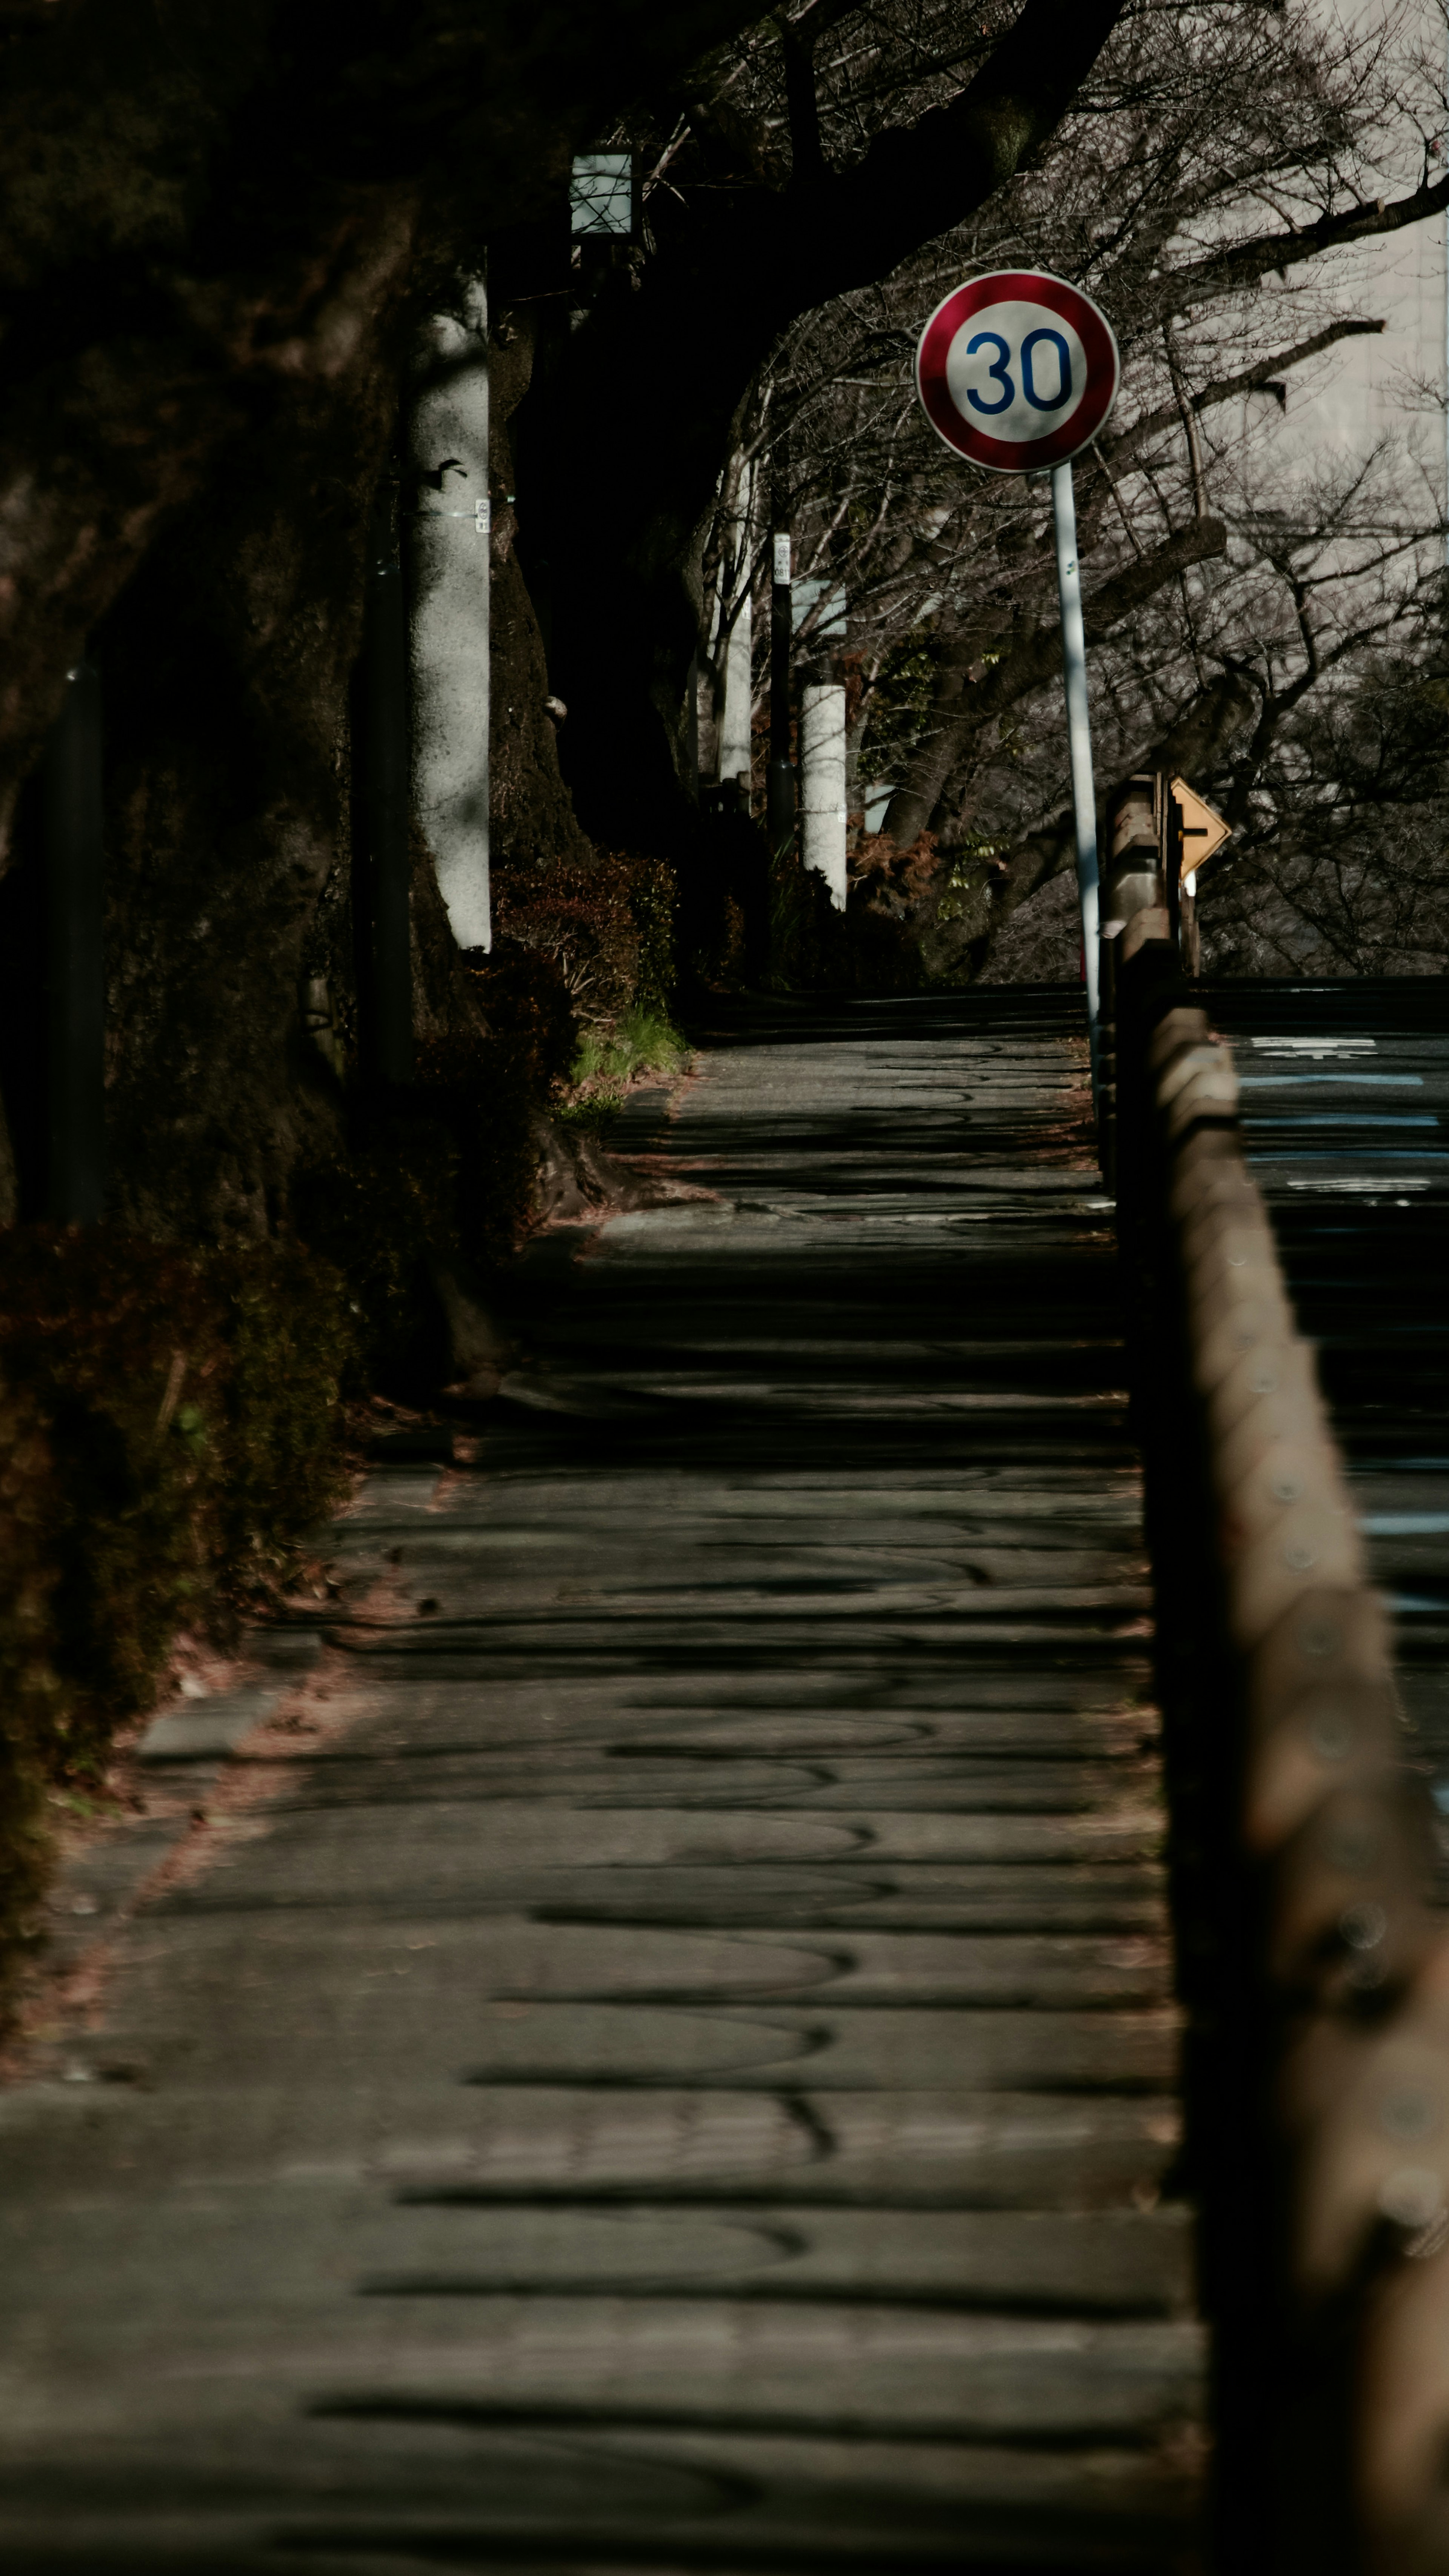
(822, 783)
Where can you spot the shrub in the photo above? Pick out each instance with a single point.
(894, 880)
(529, 1011)
(29, 1687)
(579, 918)
(169, 1424)
(120, 1346)
(653, 898)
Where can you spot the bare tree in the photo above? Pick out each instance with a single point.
(1208, 171)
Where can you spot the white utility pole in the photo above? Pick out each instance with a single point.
(735, 723)
(451, 555)
(822, 783)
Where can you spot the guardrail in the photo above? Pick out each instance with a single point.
(1315, 1972)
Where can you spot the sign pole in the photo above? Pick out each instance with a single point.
(1018, 370)
(1079, 729)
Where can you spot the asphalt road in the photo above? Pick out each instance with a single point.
(1345, 1095)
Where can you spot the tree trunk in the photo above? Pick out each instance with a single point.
(621, 464)
(206, 344)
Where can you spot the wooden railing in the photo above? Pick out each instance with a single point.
(1315, 1973)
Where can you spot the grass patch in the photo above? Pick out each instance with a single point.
(594, 1110)
(642, 1039)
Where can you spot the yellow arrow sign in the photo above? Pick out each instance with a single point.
(1203, 831)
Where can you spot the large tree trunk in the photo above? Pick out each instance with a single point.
(223, 230)
(620, 456)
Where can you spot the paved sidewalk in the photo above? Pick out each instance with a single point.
(686, 2079)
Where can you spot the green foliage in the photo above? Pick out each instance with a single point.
(643, 1039)
(898, 706)
(653, 897)
(593, 1111)
(168, 1425)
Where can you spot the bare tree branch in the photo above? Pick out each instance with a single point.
(1249, 380)
(1245, 262)
(917, 181)
(1032, 662)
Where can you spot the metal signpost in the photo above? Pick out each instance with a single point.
(780, 777)
(1017, 371)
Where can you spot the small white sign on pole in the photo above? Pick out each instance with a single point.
(1017, 371)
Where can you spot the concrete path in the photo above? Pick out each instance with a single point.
(685, 2079)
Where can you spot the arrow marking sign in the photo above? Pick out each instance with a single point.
(1203, 831)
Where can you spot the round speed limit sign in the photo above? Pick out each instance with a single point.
(1017, 370)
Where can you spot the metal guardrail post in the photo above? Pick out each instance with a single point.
(1317, 1977)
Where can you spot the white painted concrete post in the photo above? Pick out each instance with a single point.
(734, 742)
(450, 568)
(734, 737)
(822, 777)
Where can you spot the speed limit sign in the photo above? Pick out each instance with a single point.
(1017, 370)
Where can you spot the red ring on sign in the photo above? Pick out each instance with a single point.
(1017, 286)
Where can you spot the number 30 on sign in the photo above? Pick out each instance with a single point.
(1017, 370)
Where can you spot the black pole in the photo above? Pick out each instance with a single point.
(780, 778)
(1172, 860)
(387, 801)
(76, 977)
